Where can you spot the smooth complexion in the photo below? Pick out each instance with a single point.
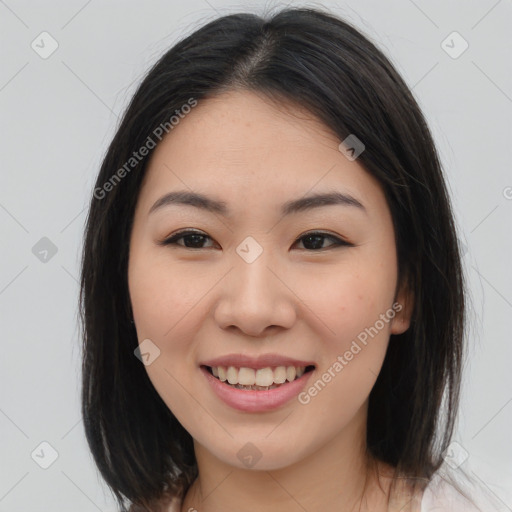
(297, 299)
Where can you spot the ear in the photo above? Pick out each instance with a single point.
(403, 306)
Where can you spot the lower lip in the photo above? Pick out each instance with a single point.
(256, 401)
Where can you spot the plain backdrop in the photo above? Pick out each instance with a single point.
(58, 114)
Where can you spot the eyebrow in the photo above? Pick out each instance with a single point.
(184, 197)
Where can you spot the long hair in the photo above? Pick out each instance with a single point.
(313, 59)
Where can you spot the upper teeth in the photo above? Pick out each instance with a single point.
(261, 377)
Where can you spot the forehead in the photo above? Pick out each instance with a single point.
(246, 149)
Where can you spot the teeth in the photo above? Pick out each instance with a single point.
(280, 375)
(264, 377)
(246, 378)
(222, 373)
(232, 375)
(291, 372)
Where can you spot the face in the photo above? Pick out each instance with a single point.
(307, 286)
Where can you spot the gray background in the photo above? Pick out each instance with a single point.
(58, 116)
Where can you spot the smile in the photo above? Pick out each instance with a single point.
(279, 385)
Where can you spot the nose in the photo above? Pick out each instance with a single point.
(256, 297)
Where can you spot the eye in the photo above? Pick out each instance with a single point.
(316, 239)
(195, 240)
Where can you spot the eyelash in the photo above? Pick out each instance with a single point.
(182, 234)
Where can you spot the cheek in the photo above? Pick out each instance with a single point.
(352, 302)
(357, 309)
(162, 298)
(358, 314)
(165, 308)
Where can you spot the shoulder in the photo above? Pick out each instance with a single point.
(456, 492)
(441, 495)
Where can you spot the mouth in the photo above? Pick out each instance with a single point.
(257, 379)
(256, 384)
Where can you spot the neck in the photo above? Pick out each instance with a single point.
(334, 476)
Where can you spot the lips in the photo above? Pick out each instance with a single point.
(256, 401)
(277, 389)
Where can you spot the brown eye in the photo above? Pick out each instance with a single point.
(315, 240)
(192, 239)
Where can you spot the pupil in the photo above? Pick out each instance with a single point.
(316, 238)
(196, 239)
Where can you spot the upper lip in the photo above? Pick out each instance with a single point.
(256, 362)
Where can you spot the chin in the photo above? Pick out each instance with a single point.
(257, 453)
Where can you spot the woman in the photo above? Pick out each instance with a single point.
(233, 359)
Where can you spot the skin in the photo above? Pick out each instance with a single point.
(294, 299)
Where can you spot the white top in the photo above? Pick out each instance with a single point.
(441, 495)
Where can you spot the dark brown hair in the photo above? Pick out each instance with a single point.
(310, 58)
